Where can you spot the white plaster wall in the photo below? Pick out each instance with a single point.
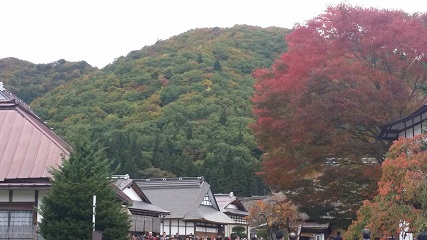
(409, 133)
(417, 129)
(173, 230)
(207, 229)
(182, 229)
(23, 196)
(42, 194)
(4, 195)
(132, 194)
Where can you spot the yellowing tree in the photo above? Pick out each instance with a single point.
(272, 214)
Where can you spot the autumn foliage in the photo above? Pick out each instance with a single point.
(346, 72)
(402, 192)
(273, 213)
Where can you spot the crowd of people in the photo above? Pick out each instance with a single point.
(366, 235)
(177, 236)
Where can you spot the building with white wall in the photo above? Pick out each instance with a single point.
(192, 205)
(28, 148)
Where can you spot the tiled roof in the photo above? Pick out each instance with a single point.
(183, 197)
(230, 204)
(28, 147)
(166, 194)
(146, 207)
(184, 182)
(208, 214)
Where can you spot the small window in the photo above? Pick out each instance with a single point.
(21, 218)
(16, 218)
(207, 201)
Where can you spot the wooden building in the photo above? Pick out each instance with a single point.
(145, 216)
(233, 208)
(192, 205)
(28, 148)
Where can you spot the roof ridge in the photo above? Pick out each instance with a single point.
(12, 97)
(25, 108)
(180, 182)
(172, 179)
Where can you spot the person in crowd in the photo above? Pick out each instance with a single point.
(150, 236)
(338, 236)
(279, 235)
(366, 234)
(422, 236)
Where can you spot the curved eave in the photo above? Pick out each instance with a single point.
(390, 131)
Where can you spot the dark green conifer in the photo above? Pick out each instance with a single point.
(223, 117)
(217, 66)
(199, 58)
(67, 208)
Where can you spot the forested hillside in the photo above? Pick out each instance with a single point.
(29, 80)
(180, 107)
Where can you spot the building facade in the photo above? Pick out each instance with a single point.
(193, 208)
(234, 209)
(28, 148)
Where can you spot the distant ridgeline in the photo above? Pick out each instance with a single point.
(29, 81)
(180, 107)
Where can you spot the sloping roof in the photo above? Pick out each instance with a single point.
(314, 225)
(121, 195)
(183, 197)
(140, 206)
(28, 147)
(230, 204)
(391, 130)
(123, 181)
(144, 207)
(208, 214)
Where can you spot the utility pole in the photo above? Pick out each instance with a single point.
(93, 213)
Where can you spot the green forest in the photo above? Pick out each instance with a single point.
(178, 108)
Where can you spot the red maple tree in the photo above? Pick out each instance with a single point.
(318, 108)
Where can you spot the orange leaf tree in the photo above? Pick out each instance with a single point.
(273, 213)
(347, 72)
(402, 192)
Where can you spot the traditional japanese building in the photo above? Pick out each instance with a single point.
(144, 216)
(28, 149)
(407, 127)
(192, 205)
(233, 208)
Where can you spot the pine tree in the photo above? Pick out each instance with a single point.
(217, 66)
(223, 117)
(200, 58)
(67, 208)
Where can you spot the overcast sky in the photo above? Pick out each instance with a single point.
(98, 31)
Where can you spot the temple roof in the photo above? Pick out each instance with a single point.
(183, 197)
(28, 147)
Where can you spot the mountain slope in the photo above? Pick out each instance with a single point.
(179, 107)
(29, 81)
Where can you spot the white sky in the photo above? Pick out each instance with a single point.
(98, 31)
